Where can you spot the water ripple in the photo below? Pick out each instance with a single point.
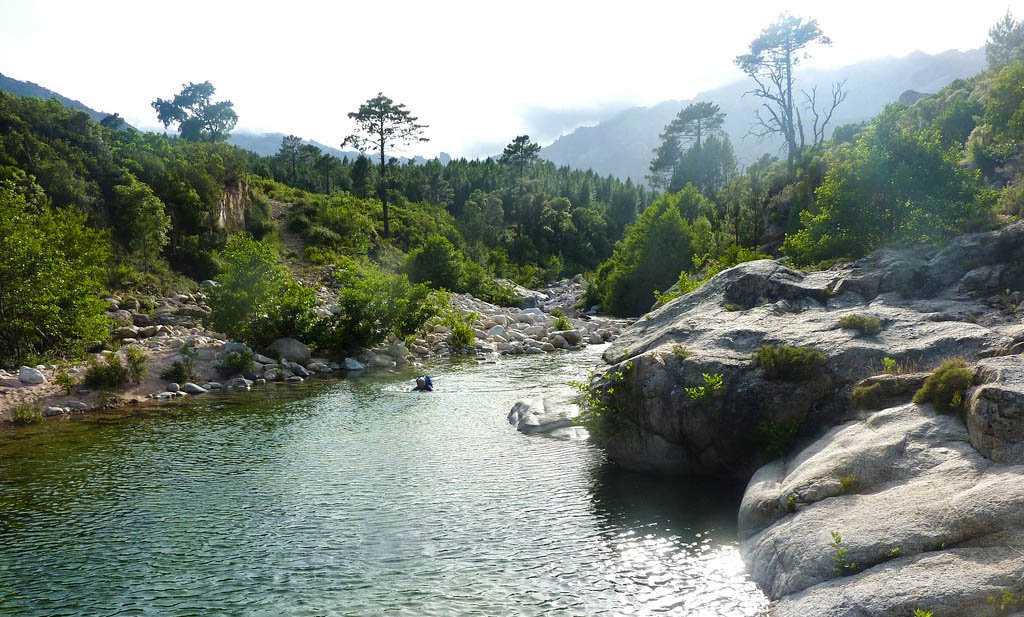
(354, 498)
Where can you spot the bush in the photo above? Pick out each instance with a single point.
(51, 267)
(562, 323)
(65, 380)
(863, 324)
(947, 386)
(106, 373)
(239, 362)
(790, 363)
(375, 304)
(179, 372)
(137, 361)
(866, 397)
(26, 413)
(462, 335)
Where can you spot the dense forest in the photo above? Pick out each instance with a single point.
(92, 207)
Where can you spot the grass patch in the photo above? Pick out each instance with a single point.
(790, 363)
(137, 364)
(680, 352)
(26, 413)
(848, 482)
(947, 386)
(866, 397)
(865, 325)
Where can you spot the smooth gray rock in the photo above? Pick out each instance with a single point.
(173, 387)
(77, 406)
(212, 385)
(299, 370)
(351, 364)
(233, 346)
(261, 359)
(239, 382)
(31, 376)
(295, 379)
(289, 349)
(191, 388)
(903, 478)
(54, 411)
(543, 415)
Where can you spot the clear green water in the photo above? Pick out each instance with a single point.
(354, 497)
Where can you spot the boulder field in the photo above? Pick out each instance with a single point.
(875, 509)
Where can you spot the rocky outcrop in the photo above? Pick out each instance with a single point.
(867, 513)
(932, 304)
(924, 518)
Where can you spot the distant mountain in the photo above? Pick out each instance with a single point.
(622, 145)
(27, 88)
(267, 144)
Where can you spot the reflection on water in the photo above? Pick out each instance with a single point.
(354, 497)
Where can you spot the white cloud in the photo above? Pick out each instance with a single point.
(473, 71)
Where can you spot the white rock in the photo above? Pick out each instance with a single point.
(32, 376)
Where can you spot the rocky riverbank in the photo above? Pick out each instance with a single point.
(752, 376)
(170, 330)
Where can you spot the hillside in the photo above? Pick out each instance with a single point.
(622, 145)
(28, 88)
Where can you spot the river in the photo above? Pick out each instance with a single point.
(355, 497)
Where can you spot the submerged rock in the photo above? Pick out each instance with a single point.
(543, 415)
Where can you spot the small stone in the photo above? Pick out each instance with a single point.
(173, 387)
(213, 385)
(239, 382)
(77, 406)
(295, 379)
(53, 411)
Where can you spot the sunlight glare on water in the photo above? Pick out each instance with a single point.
(355, 497)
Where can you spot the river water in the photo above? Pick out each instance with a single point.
(355, 497)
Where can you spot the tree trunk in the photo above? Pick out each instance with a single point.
(384, 191)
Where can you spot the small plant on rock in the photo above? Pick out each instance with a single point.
(947, 386)
(790, 363)
(183, 369)
(712, 384)
(920, 612)
(866, 397)
(561, 323)
(889, 365)
(680, 352)
(848, 482)
(863, 324)
(26, 413)
(842, 562)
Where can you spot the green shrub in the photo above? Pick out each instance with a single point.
(790, 363)
(137, 361)
(179, 372)
(106, 373)
(947, 386)
(561, 323)
(680, 352)
(776, 440)
(866, 397)
(889, 365)
(239, 362)
(462, 335)
(26, 413)
(863, 324)
(843, 564)
(65, 380)
(848, 482)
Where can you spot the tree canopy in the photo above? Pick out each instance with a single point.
(197, 117)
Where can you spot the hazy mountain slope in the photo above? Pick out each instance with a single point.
(268, 144)
(622, 145)
(27, 88)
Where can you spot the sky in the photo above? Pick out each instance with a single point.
(478, 73)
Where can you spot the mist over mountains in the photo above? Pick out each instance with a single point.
(622, 145)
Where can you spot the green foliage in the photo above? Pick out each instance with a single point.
(198, 118)
(680, 352)
(790, 363)
(848, 482)
(137, 362)
(1005, 42)
(791, 502)
(661, 244)
(257, 300)
(65, 380)
(109, 372)
(866, 397)
(776, 440)
(708, 268)
(462, 335)
(600, 406)
(712, 384)
(897, 185)
(239, 362)
(51, 267)
(889, 365)
(1005, 601)
(375, 304)
(946, 388)
(918, 612)
(26, 413)
(562, 323)
(863, 324)
(843, 565)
